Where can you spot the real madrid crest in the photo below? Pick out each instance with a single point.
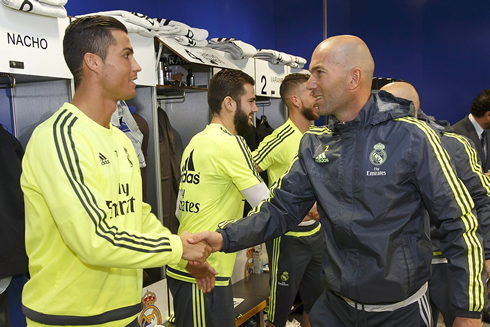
(285, 276)
(378, 155)
(150, 315)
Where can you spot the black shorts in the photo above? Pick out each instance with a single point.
(295, 261)
(439, 294)
(193, 308)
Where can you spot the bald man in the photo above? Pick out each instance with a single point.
(467, 165)
(373, 172)
(404, 90)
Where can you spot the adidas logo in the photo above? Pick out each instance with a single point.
(321, 158)
(189, 174)
(103, 159)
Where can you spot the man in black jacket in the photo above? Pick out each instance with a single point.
(13, 257)
(475, 126)
(373, 172)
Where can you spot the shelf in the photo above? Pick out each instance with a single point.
(196, 55)
(162, 89)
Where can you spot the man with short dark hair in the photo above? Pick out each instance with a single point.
(475, 126)
(217, 174)
(88, 232)
(295, 259)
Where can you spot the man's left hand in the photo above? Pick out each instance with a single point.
(205, 276)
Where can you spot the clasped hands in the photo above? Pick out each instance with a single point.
(196, 249)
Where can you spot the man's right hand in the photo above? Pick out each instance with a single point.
(195, 252)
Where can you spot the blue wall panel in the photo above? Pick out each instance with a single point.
(299, 26)
(441, 47)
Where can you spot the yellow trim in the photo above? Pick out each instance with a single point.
(193, 280)
(302, 234)
(473, 158)
(198, 308)
(437, 253)
(465, 202)
(276, 250)
(319, 131)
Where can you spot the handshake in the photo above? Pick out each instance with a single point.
(196, 249)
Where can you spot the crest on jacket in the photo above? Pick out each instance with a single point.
(378, 155)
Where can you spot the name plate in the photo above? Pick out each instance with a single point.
(268, 78)
(32, 44)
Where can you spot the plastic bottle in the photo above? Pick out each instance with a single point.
(161, 76)
(190, 78)
(167, 72)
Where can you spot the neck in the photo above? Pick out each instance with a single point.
(94, 105)
(480, 121)
(299, 120)
(352, 109)
(224, 121)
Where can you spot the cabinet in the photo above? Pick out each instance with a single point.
(32, 57)
(32, 45)
(186, 106)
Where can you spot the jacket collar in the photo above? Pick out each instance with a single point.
(441, 126)
(381, 106)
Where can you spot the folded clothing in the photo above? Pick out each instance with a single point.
(132, 28)
(280, 58)
(171, 27)
(236, 48)
(146, 26)
(54, 2)
(126, 16)
(36, 7)
(184, 40)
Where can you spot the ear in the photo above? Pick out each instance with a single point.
(295, 100)
(354, 78)
(92, 61)
(229, 104)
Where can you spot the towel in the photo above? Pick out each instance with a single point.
(280, 58)
(238, 49)
(132, 28)
(172, 27)
(122, 119)
(35, 7)
(300, 61)
(54, 2)
(130, 17)
(184, 40)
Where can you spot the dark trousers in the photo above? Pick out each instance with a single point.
(332, 311)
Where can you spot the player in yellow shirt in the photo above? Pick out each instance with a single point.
(88, 233)
(295, 259)
(217, 174)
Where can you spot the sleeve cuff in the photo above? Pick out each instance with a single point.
(182, 264)
(177, 249)
(226, 243)
(468, 314)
